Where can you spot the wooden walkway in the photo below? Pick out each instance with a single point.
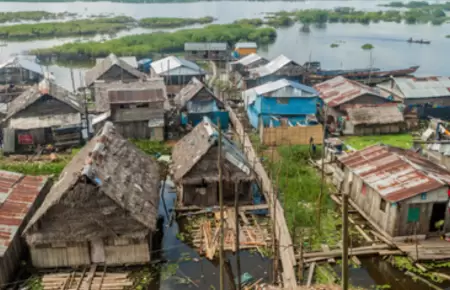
(431, 249)
(96, 278)
(284, 240)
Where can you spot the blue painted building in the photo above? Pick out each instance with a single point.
(196, 101)
(277, 69)
(282, 100)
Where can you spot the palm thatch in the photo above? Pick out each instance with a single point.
(110, 189)
(194, 157)
(375, 114)
(34, 93)
(105, 65)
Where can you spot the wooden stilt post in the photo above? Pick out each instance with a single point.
(222, 232)
(345, 241)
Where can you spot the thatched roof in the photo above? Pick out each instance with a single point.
(106, 64)
(189, 162)
(375, 114)
(151, 90)
(34, 93)
(108, 176)
(191, 90)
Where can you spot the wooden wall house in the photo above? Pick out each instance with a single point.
(103, 209)
(373, 119)
(216, 51)
(398, 190)
(111, 69)
(176, 72)
(44, 114)
(21, 70)
(280, 67)
(196, 101)
(338, 93)
(136, 109)
(194, 169)
(20, 197)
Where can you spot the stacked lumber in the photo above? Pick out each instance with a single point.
(86, 281)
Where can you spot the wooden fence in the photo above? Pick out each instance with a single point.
(284, 135)
(285, 245)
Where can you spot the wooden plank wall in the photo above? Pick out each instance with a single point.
(285, 245)
(292, 135)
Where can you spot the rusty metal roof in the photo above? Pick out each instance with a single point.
(395, 173)
(340, 90)
(17, 195)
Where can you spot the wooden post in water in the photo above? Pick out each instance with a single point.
(222, 233)
(344, 241)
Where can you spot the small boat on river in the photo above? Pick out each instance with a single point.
(421, 41)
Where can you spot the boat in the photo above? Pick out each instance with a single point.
(421, 41)
(367, 75)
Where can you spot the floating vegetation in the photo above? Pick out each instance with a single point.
(367, 46)
(334, 45)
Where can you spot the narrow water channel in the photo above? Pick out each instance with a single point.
(184, 268)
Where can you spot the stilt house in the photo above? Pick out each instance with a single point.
(44, 114)
(280, 67)
(21, 70)
(196, 101)
(399, 190)
(136, 109)
(103, 209)
(112, 69)
(177, 72)
(194, 168)
(20, 196)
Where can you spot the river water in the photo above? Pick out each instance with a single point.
(391, 51)
(389, 39)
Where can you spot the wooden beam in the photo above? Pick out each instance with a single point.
(310, 274)
(81, 278)
(326, 249)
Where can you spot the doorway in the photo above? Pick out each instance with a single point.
(97, 251)
(437, 214)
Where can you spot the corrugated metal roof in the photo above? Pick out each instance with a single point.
(246, 45)
(24, 62)
(165, 65)
(17, 195)
(136, 95)
(249, 59)
(272, 67)
(375, 114)
(340, 90)
(429, 87)
(396, 174)
(279, 84)
(131, 60)
(205, 46)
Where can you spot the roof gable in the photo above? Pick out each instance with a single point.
(273, 66)
(191, 90)
(33, 94)
(195, 145)
(105, 65)
(119, 169)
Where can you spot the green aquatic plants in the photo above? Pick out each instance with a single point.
(69, 28)
(405, 264)
(144, 44)
(334, 45)
(167, 22)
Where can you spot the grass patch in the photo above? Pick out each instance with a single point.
(167, 22)
(397, 140)
(153, 148)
